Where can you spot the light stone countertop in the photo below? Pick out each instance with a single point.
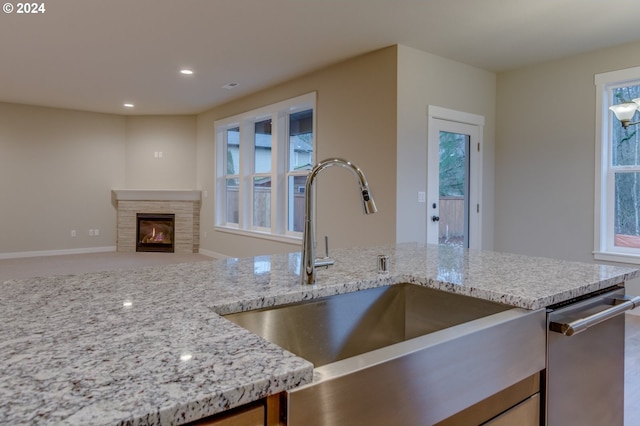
(146, 346)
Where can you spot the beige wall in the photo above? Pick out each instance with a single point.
(175, 138)
(545, 154)
(425, 79)
(57, 169)
(356, 119)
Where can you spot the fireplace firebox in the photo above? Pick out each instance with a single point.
(155, 232)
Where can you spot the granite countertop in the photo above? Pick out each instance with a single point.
(147, 346)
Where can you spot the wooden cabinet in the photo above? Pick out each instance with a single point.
(251, 415)
(265, 412)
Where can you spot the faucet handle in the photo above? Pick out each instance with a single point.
(326, 246)
(326, 261)
(323, 262)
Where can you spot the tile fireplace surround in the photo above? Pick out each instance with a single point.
(185, 204)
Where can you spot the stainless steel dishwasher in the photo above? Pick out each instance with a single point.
(585, 359)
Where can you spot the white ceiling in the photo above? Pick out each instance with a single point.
(95, 55)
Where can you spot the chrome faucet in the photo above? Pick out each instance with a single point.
(308, 265)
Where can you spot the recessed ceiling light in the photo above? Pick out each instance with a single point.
(128, 105)
(230, 85)
(186, 71)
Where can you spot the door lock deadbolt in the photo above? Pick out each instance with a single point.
(435, 218)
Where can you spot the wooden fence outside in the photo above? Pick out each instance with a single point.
(262, 208)
(451, 218)
(451, 223)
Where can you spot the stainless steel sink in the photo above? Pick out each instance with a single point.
(337, 327)
(400, 354)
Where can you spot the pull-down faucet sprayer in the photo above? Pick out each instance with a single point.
(308, 265)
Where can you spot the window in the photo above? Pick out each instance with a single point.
(232, 178)
(261, 176)
(617, 212)
(300, 139)
(264, 157)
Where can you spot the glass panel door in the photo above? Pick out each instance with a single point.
(453, 188)
(453, 175)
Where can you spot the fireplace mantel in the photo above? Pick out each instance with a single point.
(184, 204)
(157, 194)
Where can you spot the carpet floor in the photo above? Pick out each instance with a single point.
(46, 266)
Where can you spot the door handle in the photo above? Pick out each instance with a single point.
(435, 218)
(620, 305)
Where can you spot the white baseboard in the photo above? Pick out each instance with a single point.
(213, 254)
(20, 254)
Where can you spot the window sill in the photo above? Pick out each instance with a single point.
(288, 239)
(617, 257)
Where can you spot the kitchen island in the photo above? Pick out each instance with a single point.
(148, 346)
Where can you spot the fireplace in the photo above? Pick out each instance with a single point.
(155, 232)
(184, 204)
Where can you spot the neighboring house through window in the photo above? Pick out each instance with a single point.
(617, 209)
(263, 159)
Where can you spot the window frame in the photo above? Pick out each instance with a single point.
(254, 174)
(224, 157)
(604, 211)
(279, 207)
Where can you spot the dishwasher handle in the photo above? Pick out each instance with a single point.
(620, 305)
